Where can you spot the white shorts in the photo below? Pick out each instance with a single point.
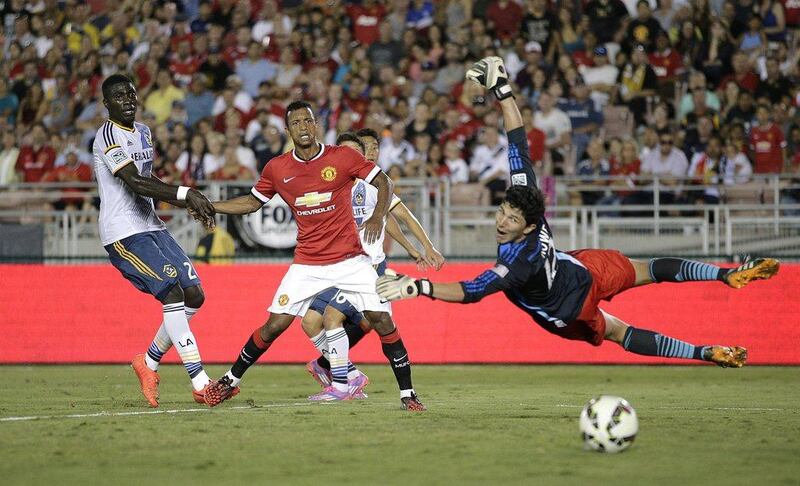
(355, 278)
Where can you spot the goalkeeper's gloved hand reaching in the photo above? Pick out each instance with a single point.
(490, 73)
(393, 286)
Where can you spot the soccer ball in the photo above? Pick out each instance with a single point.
(608, 424)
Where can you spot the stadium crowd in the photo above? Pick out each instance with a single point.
(705, 89)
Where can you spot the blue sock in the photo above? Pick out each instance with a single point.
(680, 270)
(649, 343)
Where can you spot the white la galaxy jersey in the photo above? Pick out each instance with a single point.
(365, 197)
(123, 212)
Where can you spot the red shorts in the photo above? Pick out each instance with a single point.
(612, 273)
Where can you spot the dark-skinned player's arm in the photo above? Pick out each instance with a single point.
(374, 225)
(154, 188)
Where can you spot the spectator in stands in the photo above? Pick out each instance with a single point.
(744, 112)
(697, 81)
(714, 55)
(505, 18)
(601, 78)
(707, 169)
(696, 136)
(9, 103)
(736, 167)
(386, 51)
(767, 145)
(583, 117)
(753, 42)
(270, 21)
(33, 106)
(637, 83)
(190, 161)
(489, 163)
(38, 157)
(596, 167)
(667, 64)
(457, 168)
(395, 149)
(199, 100)
(8, 158)
(159, 101)
(606, 17)
(629, 165)
(214, 158)
(668, 163)
(644, 28)
(254, 69)
(742, 74)
(558, 131)
(72, 171)
(216, 69)
(420, 15)
(452, 73)
(541, 25)
(231, 169)
(267, 144)
(775, 86)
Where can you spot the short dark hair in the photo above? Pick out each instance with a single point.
(112, 81)
(294, 106)
(529, 200)
(368, 133)
(350, 137)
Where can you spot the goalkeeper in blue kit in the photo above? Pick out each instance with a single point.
(561, 290)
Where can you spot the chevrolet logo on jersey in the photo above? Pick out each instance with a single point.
(312, 199)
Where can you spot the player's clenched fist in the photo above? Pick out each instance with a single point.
(393, 286)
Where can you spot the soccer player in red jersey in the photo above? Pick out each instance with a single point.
(561, 290)
(316, 180)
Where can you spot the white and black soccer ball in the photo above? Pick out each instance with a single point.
(608, 424)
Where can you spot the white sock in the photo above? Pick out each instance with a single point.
(406, 393)
(321, 343)
(177, 326)
(234, 381)
(338, 351)
(161, 343)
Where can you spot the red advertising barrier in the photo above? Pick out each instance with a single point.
(89, 313)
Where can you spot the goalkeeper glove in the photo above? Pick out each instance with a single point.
(393, 286)
(490, 73)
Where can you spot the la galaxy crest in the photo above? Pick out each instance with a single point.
(147, 139)
(170, 271)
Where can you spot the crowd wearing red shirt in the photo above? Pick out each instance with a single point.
(370, 63)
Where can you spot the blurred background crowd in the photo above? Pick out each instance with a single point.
(705, 89)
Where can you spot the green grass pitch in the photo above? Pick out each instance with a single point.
(485, 425)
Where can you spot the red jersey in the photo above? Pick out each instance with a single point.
(319, 192)
(365, 22)
(666, 64)
(767, 144)
(34, 164)
(536, 144)
(792, 9)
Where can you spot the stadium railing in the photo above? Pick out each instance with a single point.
(753, 217)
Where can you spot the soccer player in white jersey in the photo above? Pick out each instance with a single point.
(335, 307)
(136, 239)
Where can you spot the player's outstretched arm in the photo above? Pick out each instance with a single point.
(393, 229)
(239, 205)
(393, 286)
(155, 188)
(374, 225)
(432, 257)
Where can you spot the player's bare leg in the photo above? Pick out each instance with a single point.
(679, 270)
(395, 351)
(263, 337)
(649, 343)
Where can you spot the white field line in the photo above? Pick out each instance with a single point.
(150, 412)
(723, 409)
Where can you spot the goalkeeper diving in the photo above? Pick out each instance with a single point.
(561, 290)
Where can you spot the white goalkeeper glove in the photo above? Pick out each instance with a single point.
(393, 286)
(490, 73)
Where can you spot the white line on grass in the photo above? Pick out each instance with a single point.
(149, 412)
(735, 409)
